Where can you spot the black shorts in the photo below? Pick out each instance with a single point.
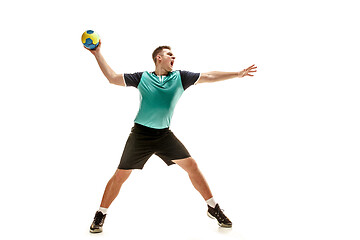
(143, 142)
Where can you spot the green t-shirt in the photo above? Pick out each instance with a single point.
(159, 95)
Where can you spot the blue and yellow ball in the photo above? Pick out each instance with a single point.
(90, 39)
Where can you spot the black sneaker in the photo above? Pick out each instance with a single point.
(97, 224)
(219, 215)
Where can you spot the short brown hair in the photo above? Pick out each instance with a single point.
(158, 50)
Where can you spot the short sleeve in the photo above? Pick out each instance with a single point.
(132, 79)
(188, 78)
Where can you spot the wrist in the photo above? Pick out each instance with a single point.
(241, 73)
(96, 54)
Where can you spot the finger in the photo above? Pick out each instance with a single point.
(250, 75)
(251, 67)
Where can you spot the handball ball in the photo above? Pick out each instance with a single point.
(90, 39)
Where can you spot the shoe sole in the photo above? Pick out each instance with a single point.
(220, 224)
(96, 230)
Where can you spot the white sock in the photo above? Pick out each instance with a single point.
(103, 210)
(211, 202)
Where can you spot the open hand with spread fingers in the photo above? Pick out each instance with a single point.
(248, 71)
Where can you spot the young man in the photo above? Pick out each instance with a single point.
(160, 90)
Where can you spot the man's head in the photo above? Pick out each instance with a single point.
(163, 55)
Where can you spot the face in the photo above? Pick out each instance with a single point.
(166, 59)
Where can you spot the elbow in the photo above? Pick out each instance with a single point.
(116, 80)
(113, 81)
(110, 79)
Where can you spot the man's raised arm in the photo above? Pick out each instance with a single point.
(110, 74)
(221, 76)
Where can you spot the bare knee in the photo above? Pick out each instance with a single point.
(188, 164)
(121, 175)
(193, 167)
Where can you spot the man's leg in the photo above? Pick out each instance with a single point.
(111, 191)
(196, 177)
(200, 184)
(113, 187)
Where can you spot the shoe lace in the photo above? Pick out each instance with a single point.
(98, 218)
(221, 215)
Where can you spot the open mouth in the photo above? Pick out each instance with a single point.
(172, 63)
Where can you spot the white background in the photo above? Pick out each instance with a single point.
(279, 150)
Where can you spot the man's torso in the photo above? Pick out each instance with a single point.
(159, 95)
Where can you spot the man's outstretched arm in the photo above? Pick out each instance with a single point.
(110, 74)
(210, 77)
